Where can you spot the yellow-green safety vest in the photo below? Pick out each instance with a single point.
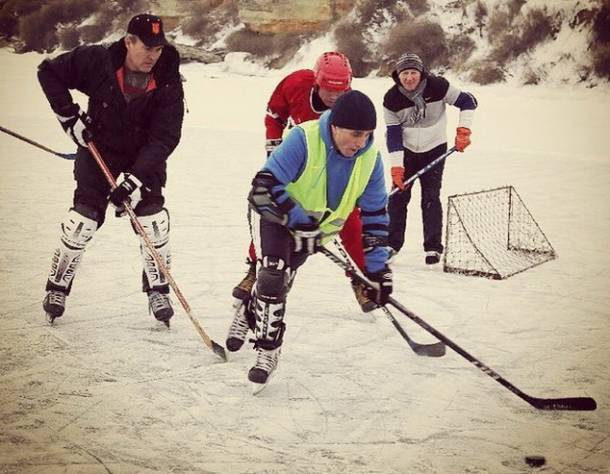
(310, 189)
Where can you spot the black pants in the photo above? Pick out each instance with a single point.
(431, 208)
(276, 241)
(91, 196)
(92, 188)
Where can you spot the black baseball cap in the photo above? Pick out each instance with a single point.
(149, 28)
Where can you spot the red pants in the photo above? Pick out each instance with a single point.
(351, 237)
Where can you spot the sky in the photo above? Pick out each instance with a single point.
(108, 389)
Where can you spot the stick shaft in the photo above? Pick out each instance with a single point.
(425, 169)
(36, 144)
(149, 245)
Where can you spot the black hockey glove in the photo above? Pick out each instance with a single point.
(381, 285)
(307, 237)
(271, 144)
(123, 192)
(75, 122)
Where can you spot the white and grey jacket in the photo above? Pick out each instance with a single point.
(431, 130)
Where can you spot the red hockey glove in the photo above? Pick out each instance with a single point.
(398, 177)
(462, 138)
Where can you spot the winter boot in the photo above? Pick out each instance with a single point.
(432, 257)
(366, 304)
(160, 306)
(54, 304)
(243, 320)
(244, 288)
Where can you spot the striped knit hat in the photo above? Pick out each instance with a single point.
(409, 61)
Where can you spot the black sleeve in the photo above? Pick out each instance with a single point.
(72, 70)
(164, 133)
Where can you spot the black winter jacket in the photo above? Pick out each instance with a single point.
(136, 137)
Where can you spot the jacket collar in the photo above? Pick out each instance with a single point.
(165, 71)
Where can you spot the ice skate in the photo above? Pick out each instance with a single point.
(160, 306)
(266, 363)
(54, 305)
(239, 326)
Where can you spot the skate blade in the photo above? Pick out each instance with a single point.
(50, 319)
(164, 322)
(258, 387)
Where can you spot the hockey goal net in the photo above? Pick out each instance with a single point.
(492, 234)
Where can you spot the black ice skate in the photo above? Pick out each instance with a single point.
(54, 304)
(239, 326)
(266, 363)
(160, 306)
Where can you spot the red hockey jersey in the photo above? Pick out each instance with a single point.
(291, 103)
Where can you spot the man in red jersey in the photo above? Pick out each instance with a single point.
(301, 96)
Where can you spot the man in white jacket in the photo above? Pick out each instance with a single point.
(416, 120)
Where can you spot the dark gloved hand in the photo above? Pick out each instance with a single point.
(124, 190)
(75, 122)
(307, 237)
(381, 285)
(271, 144)
(462, 138)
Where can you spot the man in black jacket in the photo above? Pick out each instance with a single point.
(134, 117)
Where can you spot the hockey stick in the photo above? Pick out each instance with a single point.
(426, 168)
(65, 156)
(436, 349)
(215, 347)
(570, 403)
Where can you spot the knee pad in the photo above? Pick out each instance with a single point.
(156, 226)
(78, 227)
(272, 279)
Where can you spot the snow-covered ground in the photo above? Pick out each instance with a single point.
(110, 390)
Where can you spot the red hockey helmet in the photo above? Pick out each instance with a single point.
(333, 71)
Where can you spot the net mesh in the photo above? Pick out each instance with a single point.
(491, 233)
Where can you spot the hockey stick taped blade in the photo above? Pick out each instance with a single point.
(570, 403)
(219, 351)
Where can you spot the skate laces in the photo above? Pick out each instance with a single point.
(158, 301)
(267, 359)
(239, 327)
(56, 298)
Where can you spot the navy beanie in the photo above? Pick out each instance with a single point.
(354, 111)
(409, 61)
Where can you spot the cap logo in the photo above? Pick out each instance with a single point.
(156, 28)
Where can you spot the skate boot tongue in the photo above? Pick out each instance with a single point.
(160, 306)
